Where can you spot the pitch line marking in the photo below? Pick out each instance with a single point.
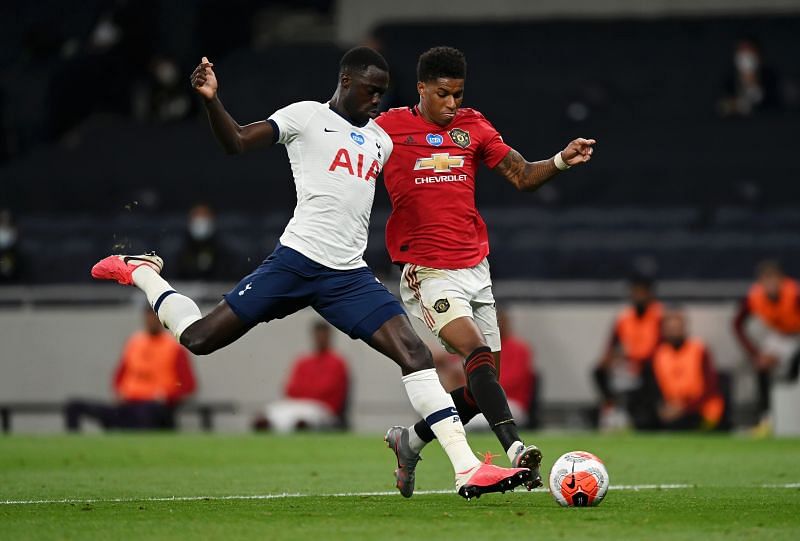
(285, 495)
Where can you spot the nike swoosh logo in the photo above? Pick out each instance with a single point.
(330, 131)
(571, 484)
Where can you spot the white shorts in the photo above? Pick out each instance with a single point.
(438, 296)
(285, 415)
(783, 347)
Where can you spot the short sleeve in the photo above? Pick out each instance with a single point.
(292, 119)
(388, 145)
(494, 149)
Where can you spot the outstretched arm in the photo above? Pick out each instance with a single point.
(530, 176)
(235, 139)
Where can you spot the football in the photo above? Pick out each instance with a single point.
(578, 479)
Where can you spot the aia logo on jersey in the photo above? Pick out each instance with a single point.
(440, 163)
(459, 137)
(357, 137)
(434, 139)
(346, 162)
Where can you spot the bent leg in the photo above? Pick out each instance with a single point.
(219, 328)
(175, 311)
(178, 313)
(397, 340)
(104, 414)
(464, 336)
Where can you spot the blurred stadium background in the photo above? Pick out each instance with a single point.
(104, 148)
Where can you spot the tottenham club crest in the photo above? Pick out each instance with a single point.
(459, 137)
(441, 306)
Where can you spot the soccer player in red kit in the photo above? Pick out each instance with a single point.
(435, 231)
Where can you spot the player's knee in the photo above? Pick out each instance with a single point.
(419, 357)
(197, 342)
(480, 362)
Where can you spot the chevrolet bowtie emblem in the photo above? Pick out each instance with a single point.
(440, 163)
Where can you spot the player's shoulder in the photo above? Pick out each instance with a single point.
(468, 114)
(308, 104)
(395, 114)
(306, 107)
(473, 121)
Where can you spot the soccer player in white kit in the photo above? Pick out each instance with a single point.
(336, 152)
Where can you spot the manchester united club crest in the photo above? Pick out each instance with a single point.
(460, 137)
(441, 306)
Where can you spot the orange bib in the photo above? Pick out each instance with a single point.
(782, 315)
(639, 335)
(150, 372)
(680, 377)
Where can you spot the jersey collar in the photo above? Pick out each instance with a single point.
(340, 115)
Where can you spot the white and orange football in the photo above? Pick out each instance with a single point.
(578, 479)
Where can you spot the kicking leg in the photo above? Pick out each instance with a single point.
(178, 313)
(397, 340)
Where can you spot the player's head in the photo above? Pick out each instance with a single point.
(440, 82)
(770, 275)
(321, 333)
(641, 291)
(673, 326)
(363, 80)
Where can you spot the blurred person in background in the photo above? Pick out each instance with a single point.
(153, 376)
(202, 256)
(751, 86)
(774, 302)
(517, 370)
(315, 395)
(685, 379)
(11, 260)
(634, 337)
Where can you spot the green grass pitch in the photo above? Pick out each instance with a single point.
(118, 487)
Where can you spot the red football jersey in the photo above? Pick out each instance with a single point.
(430, 177)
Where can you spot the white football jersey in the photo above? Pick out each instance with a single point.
(335, 165)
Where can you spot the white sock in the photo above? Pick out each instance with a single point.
(437, 408)
(175, 311)
(512, 451)
(416, 443)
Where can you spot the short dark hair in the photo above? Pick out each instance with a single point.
(441, 62)
(359, 59)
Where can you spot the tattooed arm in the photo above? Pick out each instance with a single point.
(530, 176)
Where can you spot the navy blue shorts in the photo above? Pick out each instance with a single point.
(353, 301)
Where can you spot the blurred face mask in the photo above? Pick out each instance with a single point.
(201, 228)
(746, 61)
(8, 236)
